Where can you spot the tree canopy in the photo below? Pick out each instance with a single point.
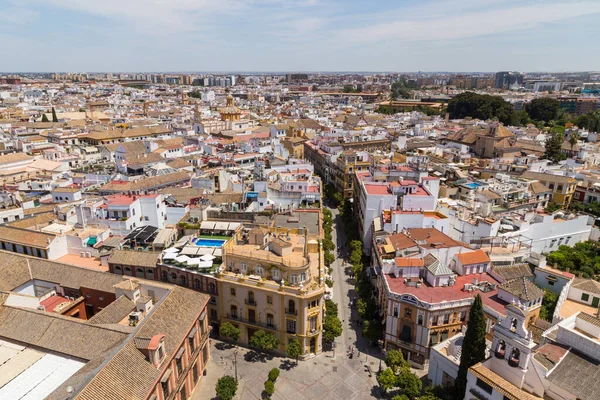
(386, 379)
(54, 118)
(395, 360)
(294, 350)
(229, 331)
(548, 305)
(226, 387)
(264, 340)
(553, 147)
(589, 121)
(481, 106)
(44, 118)
(543, 109)
(473, 347)
(583, 258)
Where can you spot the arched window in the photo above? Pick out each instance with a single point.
(118, 269)
(291, 306)
(183, 280)
(211, 288)
(149, 272)
(513, 325)
(234, 312)
(165, 276)
(196, 283)
(515, 356)
(139, 272)
(500, 349)
(127, 270)
(174, 276)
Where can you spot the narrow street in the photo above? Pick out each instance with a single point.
(343, 292)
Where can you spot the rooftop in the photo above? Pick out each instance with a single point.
(434, 295)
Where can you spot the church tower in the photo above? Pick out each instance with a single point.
(512, 345)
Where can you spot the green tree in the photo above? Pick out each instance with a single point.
(573, 139)
(44, 118)
(521, 118)
(226, 387)
(395, 360)
(229, 331)
(409, 383)
(543, 109)
(548, 305)
(332, 328)
(372, 329)
(331, 307)
(294, 350)
(400, 397)
(269, 388)
(274, 374)
(264, 340)
(54, 118)
(473, 347)
(554, 147)
(386, 379)
(470, 104)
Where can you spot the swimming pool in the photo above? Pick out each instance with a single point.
(209, 242)
(472, 185)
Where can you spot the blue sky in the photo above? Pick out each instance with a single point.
(299, 35)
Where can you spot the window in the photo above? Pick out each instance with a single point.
(133, 211)
(420, 319)
(232, 291)
(165, 276)
(243, 267)
(270, 320)
(234, 312)
(313, 324)
(463, 316)
(211, 288)
(294, 279)
(585, 297)
(269, 299)
(195, 372)
(259, 270)
(182, 393)
(149, 272)
(446, 318)
(395, 311)
(165, 388)
(140, 271)
(197, 283)
(303, 277)
(275, 273)
(146, 218)
(191, 343)
(179, 363)
(291, 326)
(486, 388)
(127, 269)
(174, 276)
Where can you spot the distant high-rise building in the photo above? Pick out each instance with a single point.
(508, 79)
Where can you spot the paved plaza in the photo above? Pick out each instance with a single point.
(322, 377)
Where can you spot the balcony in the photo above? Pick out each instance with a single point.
(291, 311)
(250, 302)
(252, 322)
(312, 332)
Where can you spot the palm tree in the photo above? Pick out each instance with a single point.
(573, 139)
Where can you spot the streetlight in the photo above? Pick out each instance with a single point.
(235, 352)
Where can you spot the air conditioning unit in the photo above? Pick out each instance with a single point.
(134, 318)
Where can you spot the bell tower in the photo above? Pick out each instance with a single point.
(512, 345)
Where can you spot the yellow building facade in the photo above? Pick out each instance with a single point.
(274, 280)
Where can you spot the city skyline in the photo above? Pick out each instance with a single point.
(311, 35)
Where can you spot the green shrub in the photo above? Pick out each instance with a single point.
(274, 374)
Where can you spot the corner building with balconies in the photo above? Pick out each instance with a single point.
(273, 279)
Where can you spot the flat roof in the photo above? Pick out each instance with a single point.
(27, 373)
(439, 294)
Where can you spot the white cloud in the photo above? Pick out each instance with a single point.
(469, 24)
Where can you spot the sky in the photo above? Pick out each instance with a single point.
(299, 35)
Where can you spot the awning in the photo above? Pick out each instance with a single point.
(221, 226)
(203, 315)
(193, 332)
(208, 225)
(233, 226)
